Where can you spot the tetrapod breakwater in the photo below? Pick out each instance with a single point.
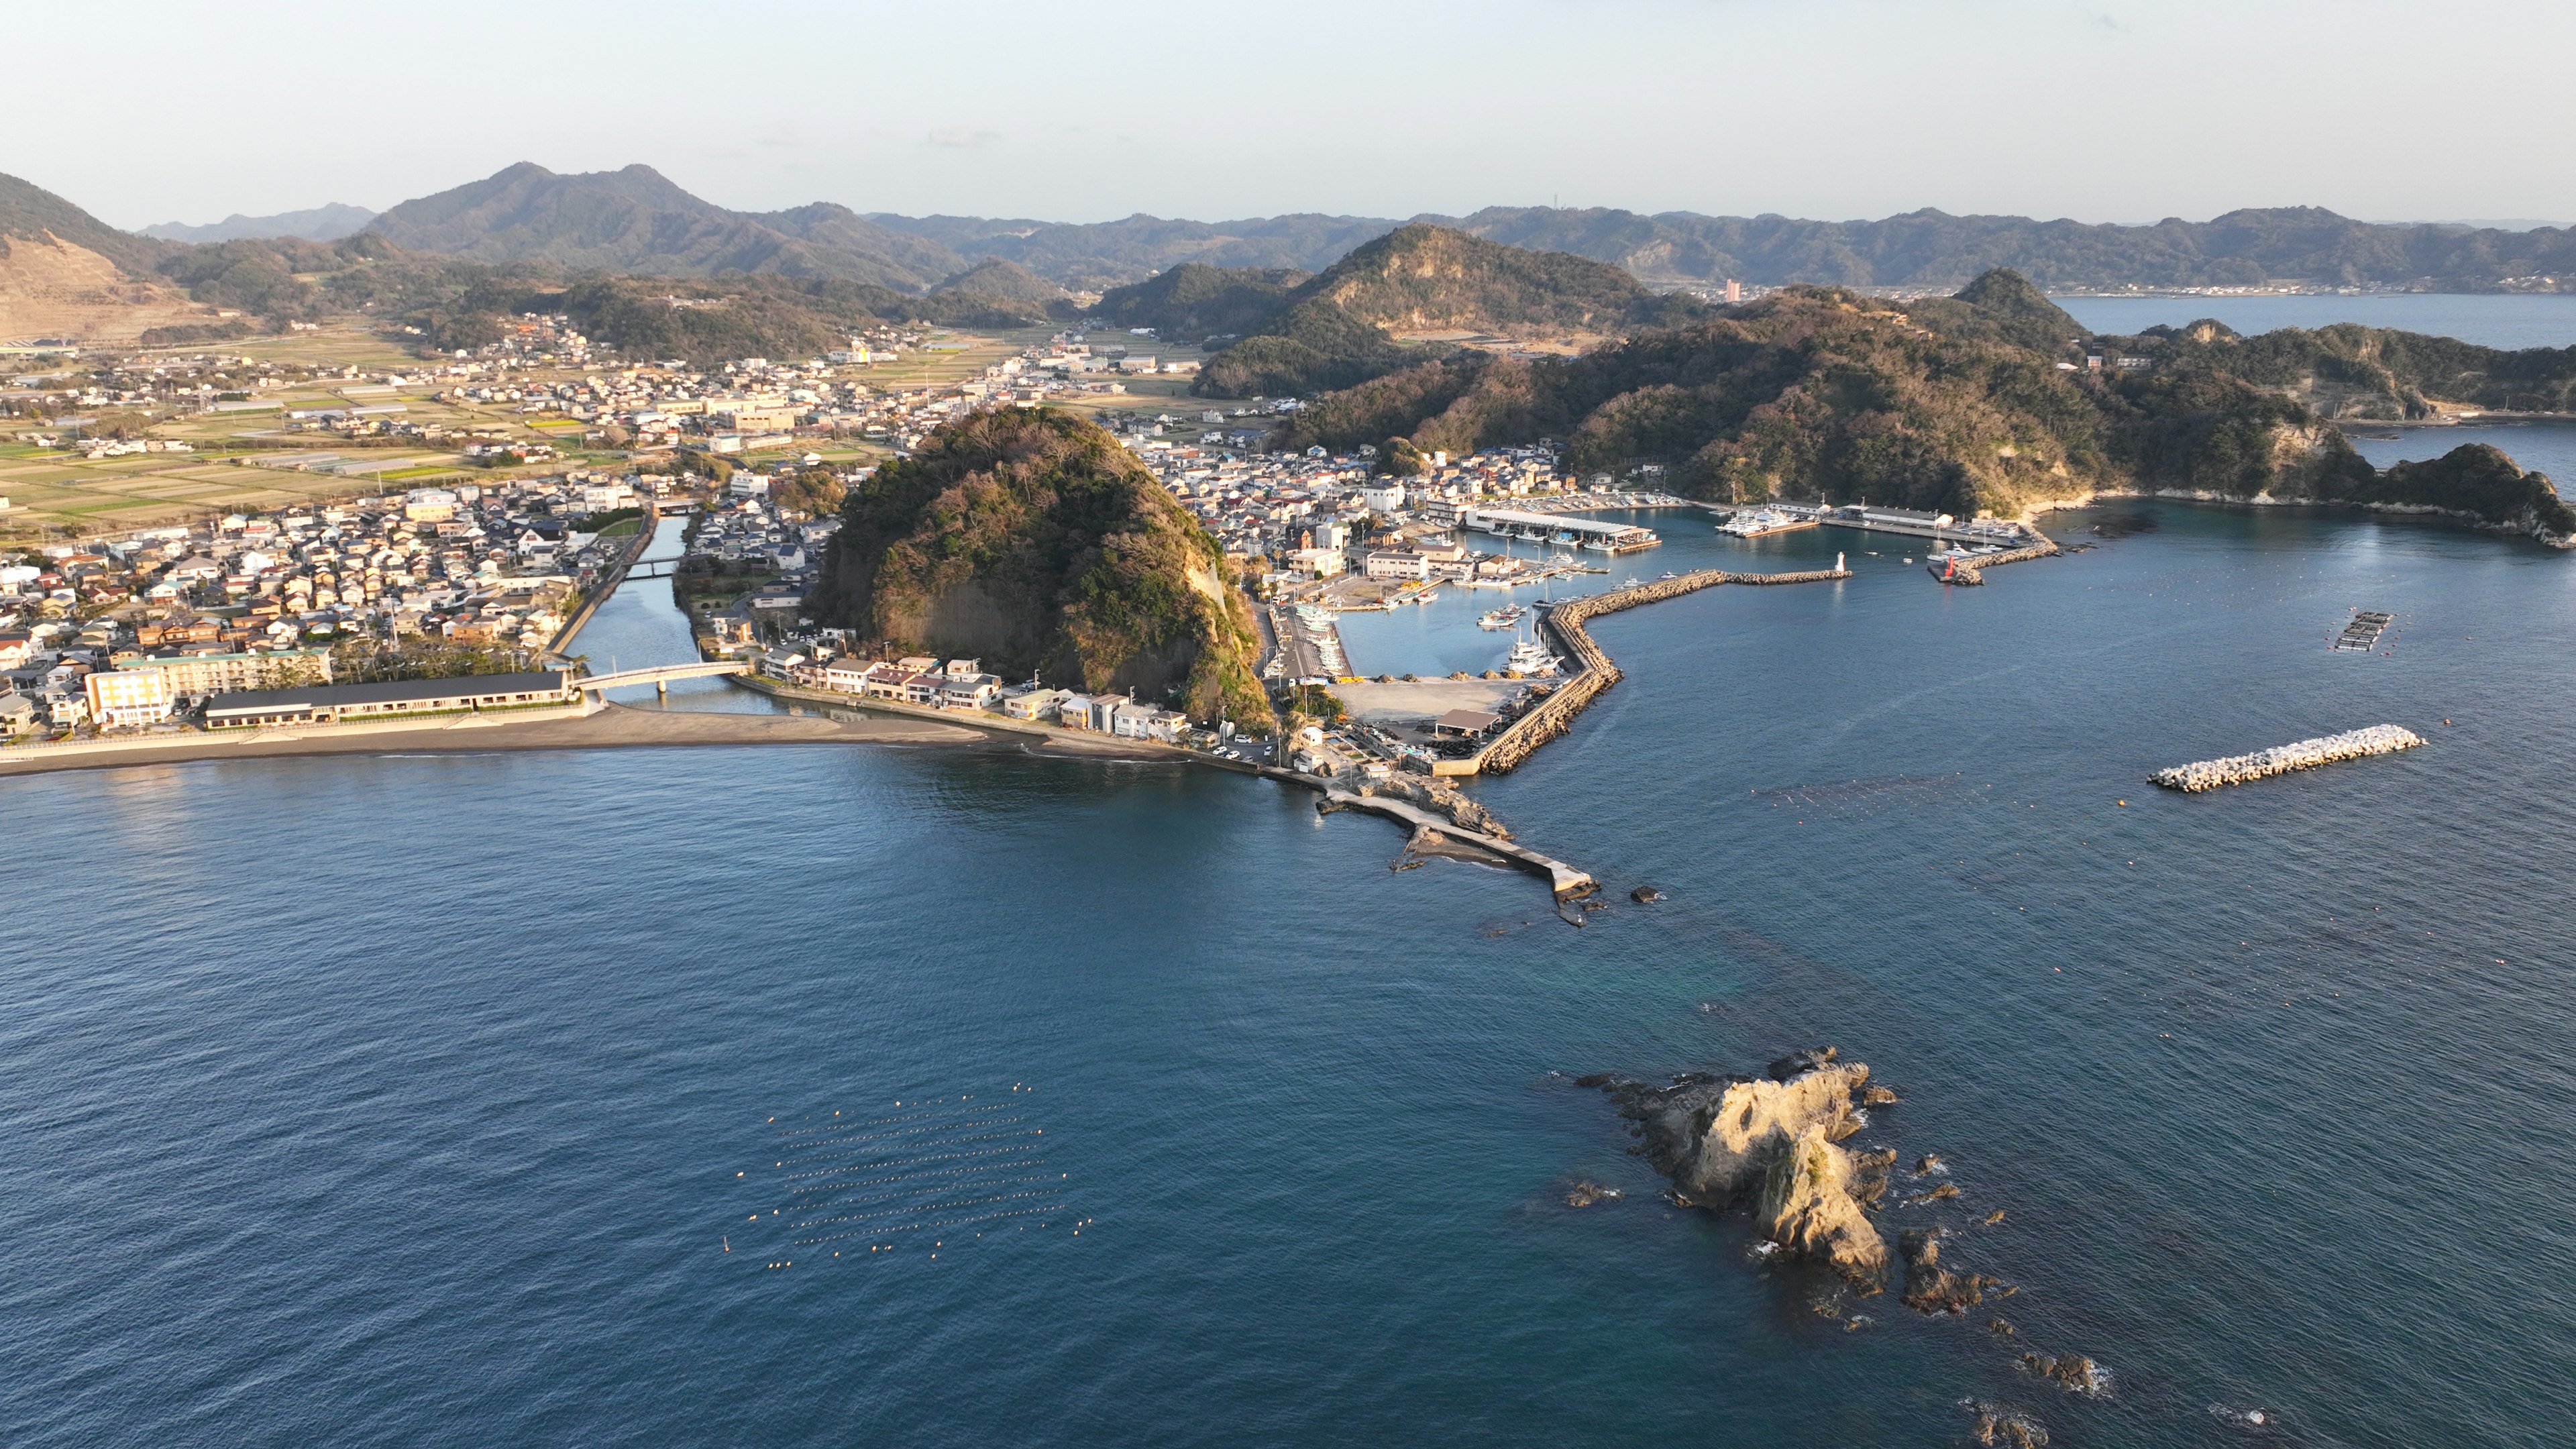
(2383, 739)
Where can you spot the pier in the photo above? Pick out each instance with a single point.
(1912, 523)
(1562, 879)
(1554, 715)
(2282, 759)
(1972, 570)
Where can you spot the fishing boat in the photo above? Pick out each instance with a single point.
(1756, 522)
(1529, 657)
(1502, 618)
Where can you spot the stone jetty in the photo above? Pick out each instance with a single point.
(1973, 570)
(1596, 673)
(2282, 759)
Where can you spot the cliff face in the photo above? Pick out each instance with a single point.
(1033, 541)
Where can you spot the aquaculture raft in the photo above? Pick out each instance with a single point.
(2363, 632)
(2282, 759)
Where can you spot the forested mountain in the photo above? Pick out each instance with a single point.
(636, 220)
(1343, 325)
(1959, 404)
(1194, 301)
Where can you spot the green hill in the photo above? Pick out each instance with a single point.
(2371, 373)
(1341, 327)
(1978, 403)
(1195, 300)
(636, 220)
(1004, 282)
(1033, 541)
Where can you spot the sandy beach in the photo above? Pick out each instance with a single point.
(612, 727)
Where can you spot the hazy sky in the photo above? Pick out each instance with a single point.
(2107, 110)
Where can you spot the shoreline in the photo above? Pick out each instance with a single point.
(609, 726)
(2562, 544)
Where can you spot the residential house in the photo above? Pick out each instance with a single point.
(1035, 704)
(976, 691)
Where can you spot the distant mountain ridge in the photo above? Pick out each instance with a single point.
(320, 223)
(636, 220)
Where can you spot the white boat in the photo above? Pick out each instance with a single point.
(1530, 657)
(1754, 523)
(1502, 618)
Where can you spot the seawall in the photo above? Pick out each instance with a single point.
(1555, 714)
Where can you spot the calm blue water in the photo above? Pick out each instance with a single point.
(2544, 447)
(401, 1101)
(2507, 322)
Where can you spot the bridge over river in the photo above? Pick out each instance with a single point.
(661, 675)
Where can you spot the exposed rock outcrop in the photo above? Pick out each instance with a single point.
(1997, 1424)
(2072, 1372)
(1584, 1192)
(1808, 1207)
(1771, 1143)
(1931, 1288)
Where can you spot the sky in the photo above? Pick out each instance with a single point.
(2100, 110)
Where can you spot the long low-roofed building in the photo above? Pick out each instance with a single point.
(336, 703)
(1592, 533)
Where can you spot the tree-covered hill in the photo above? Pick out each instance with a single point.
(1033, 541)
(1194, 300)
(1979, 403)
(1342, 326)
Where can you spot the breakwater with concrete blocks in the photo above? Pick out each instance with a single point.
(1973, 571)
(2383, 739)
(1552, 716)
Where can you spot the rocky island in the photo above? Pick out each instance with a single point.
(1773, 1143)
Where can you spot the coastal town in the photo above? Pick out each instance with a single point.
(465, 593)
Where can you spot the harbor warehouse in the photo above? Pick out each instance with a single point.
(334, 703)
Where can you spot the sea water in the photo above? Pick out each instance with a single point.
(447, 1099)
(2510, 323)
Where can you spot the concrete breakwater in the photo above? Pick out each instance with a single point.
(2282, 759)
(1974, 571)
(1552, 716)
